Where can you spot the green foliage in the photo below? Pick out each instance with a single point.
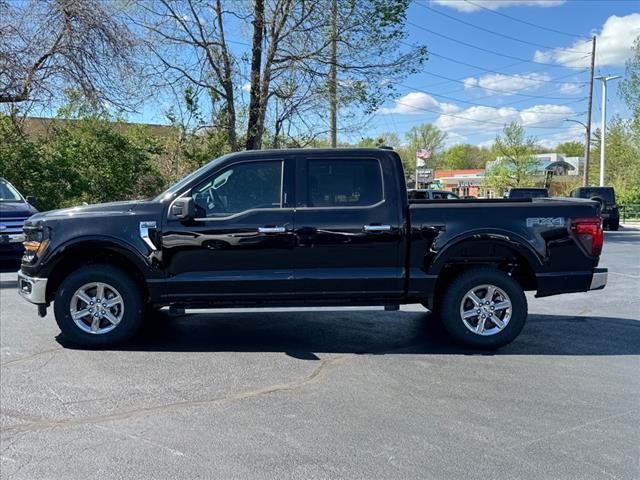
(515, 165)
(465, 156)
(622, 160)
(86, 160)
(430, 138)
(91, 157)
(630, 85)
(571, 149)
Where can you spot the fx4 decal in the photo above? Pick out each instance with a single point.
(545, 221)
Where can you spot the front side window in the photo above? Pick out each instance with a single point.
(241, 187)
(344, 183)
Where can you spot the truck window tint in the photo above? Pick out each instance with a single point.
(344, 183)
(238, 188)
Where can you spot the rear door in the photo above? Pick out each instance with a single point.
(348, 227)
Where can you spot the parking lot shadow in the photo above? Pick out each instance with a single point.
(304, 334)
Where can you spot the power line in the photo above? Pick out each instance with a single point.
(493, 52)
(444, 57)
(486, 122)
(515, 39)
(453, 99)
(508, 92)
(531, 24)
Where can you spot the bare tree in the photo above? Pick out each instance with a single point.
(364, 52)
(48, 45)
(286, 25)
(188, 40)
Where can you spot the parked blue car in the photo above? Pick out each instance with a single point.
(14, 210)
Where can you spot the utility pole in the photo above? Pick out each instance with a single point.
(603, 133)
(587, 142)
(333, 77)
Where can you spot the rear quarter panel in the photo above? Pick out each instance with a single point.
(538, 230)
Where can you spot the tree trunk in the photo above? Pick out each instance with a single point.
(333, 77)
(254, 134)
(227, 82)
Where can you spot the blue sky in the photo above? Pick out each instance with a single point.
(539, 76)
(541, 95)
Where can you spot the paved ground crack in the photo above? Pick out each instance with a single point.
(324, 366)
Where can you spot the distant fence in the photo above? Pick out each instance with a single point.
(630, 212)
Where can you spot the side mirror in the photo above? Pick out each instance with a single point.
(30, 199)
(183, 209)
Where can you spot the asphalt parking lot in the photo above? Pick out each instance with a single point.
(331, 394)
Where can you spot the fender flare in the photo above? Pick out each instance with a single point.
(507, 239)
(102, 242)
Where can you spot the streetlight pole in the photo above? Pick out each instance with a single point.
(604, 122)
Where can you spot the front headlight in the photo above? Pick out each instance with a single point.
(35, 244)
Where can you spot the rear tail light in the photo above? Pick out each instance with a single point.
(589, 233)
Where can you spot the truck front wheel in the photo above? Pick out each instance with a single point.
(484, 308)
(98, 306)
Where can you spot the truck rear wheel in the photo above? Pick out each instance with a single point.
(98, 306)
(484, 308)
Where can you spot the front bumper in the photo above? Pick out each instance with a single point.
(32, 289)
(599, 279)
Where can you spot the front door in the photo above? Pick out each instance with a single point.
(240, 243)
(348, 228)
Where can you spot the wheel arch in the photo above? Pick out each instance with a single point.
(98, 250)
(511, 255)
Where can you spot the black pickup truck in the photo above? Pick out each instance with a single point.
(307, 227)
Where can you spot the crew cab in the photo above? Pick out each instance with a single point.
(14, 210)
(307, 227)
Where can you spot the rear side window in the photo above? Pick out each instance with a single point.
(344, 183)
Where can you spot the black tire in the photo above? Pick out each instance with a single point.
(453, 298)
(132, 316)
(614, 225)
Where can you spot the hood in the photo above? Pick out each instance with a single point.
(16, 209)
(98, 209)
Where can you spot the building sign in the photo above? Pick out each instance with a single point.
(424, 174)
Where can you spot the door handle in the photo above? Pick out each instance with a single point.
(272, 229)
(377, 228)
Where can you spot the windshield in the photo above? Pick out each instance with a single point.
(8, 193)
(172, 190)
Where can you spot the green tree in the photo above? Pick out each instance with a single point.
(571, 149)
(622, 160)
(465, 156)
(428, 137)
(630, 85)
(516, 164)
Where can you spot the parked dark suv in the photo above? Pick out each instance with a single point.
(528, 193)
(14, 210)
(606, 196)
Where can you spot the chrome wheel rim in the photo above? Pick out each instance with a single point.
(485, 310)
(96, 308)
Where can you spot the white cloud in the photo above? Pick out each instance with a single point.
(570, 88)
(613, 45)
(509, 84)
(418, 102)
(463, 6)
(490, 119)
